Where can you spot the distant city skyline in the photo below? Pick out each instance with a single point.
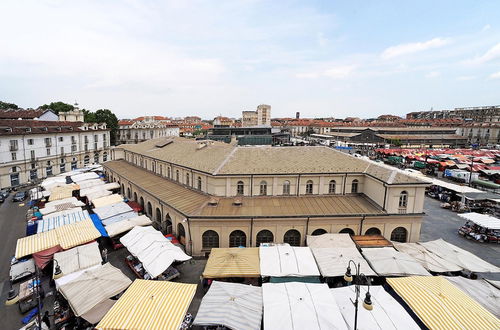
(196, 58)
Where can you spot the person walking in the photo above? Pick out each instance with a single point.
(104, 255)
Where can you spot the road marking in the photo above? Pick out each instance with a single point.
(21, 204)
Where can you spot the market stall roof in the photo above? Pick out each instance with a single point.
(150, 305)
(98, 225)
(387, 312)
(441, 305)
(389, 262)
(152, 248)
(35, 194)
(119, 217)
(61, 192)
(66, 236)
(454, 187)
(284, 260)
(84, 176)
(484, 195)
(111, 210)
(334, 261)
(61, 205)
(58, 219)
(94, 286)
(127, 224)
(369, 241)
(98, 194)
(106, 186)
(483, 220)
(53, 181)
(330, 241)
(459, 256)
(90, 183)
(481, 290)
(233, 305)
(107, 200)
(232, 262)
(427, 259)
(78, 258)
(294, 305)
(487, 184)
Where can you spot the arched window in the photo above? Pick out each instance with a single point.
(150, 210)
(331, 187)
(240, 188)
(187, 179)
(309, 187)
(237, 238)
(104, 156)
(181, 233)
(403, 199)
(318, 232)
(292, 237)
(96, 157)
(264, 236)
(373, 231)
(128, 193)
(209, 240)
(168, 224)
(158, 215)
(399, 234)
(123, 189)
(286, 187)
(199, 183)
(263, 188)
(347, 231)
(354, 186)
(141, 201)
(86, 160)
(177, 175)
(135, 197)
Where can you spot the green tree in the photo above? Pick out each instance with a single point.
(5, 105)
(57, 107)
(104, 116)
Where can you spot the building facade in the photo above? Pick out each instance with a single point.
(481, 133)
(213, 194)
(260, 117)
(475, 114)
(34, 149)
(145, 128)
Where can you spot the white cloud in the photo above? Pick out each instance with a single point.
(335, 72)
(465, 78)
(322, 40)
(307, 75)
(415, 47)
(492, 54)
(433, 74)
(495, 75)
(486, 27)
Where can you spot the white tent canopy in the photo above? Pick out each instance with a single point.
(297, 306)
(106, 186)
(282, 260)
(459, 256)
(330, 241)
(58, 219)
(119, 227)
(483, 220)
(155, 251)
(119, 218)
(109, 211)
(455, 187)
(334, 261)
(61, 205)
(429, 260)
(78, 258)
(84, 176)
(233, 305)
(98, 194)
(483, 292)
(107, 200)
(90, 183)
(387, 313)
(387, 261)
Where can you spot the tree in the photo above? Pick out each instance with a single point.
(6, 106)
(103, 116)
(57, 107)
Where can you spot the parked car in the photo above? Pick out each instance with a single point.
(2, 199)
(4, 193)
(20, 196)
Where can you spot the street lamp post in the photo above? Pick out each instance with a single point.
(348, 277)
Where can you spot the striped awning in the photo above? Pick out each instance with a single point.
(58, 219)
(441, 305)
(36, 243)
(150, 305)
(62, 192)
(233, 262)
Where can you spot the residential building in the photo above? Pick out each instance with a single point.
(145, 128)
(33, 149)
(260, 117)
(473, 114)
(213, 194)
(223, 121)
(75, 115)
(487, 133)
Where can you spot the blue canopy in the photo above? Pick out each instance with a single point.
(98, 224)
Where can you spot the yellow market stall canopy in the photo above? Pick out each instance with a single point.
(233, 262)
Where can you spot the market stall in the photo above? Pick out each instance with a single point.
(58, 219)
(233, 262)
(288, 263)
(481, 227)
(330, 241)
(427, 259)
(61, 205)
(387, 261)
(77, 258)
(109, 211)
(107, 200)
(333, 262)
(123, 226)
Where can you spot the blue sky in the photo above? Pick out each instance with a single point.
(322, 58)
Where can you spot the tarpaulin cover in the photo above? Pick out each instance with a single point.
(61, 192)
(441, 305)
(483, 220)
(90, 183)
(334, 261)
(98, 194)
(61, 205)
(106, 186)
(285, 260)
(387, 313)
(126, 225)
(94, 286)
(43, 258)
(78, 258)
(482, 291)
(298, 306)
(232, 262)
(98, 225)
(58, 219)
(107, 200)
(35, 243)
(119, 217)
(111, 210)
(154, 251)
(150, 305)
(387, 261)
(429, 260)
(459, 256)
(330, 241)
(233, 305)
(84, 176)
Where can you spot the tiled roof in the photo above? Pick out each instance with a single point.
(20, 127)
(21, 113)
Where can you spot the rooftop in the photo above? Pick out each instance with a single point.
(22, 127)
(21, 113)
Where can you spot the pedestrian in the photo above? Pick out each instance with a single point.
(46, 320)
(104, 255)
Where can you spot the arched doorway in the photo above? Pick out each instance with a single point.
(168, 224)
(347, 231)
(123, 189)
(400, 234)
(141, 201)
(318, 232)
(292, 237)
(209, 240)
(264, 236)
(181, 233)
(373, 231)
(128, 193)
(237, 238)
(158, 215)
(150, 210)
(135, 197)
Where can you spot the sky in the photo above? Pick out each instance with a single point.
(209, 58)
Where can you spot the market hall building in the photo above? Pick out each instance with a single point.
(213, 194)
